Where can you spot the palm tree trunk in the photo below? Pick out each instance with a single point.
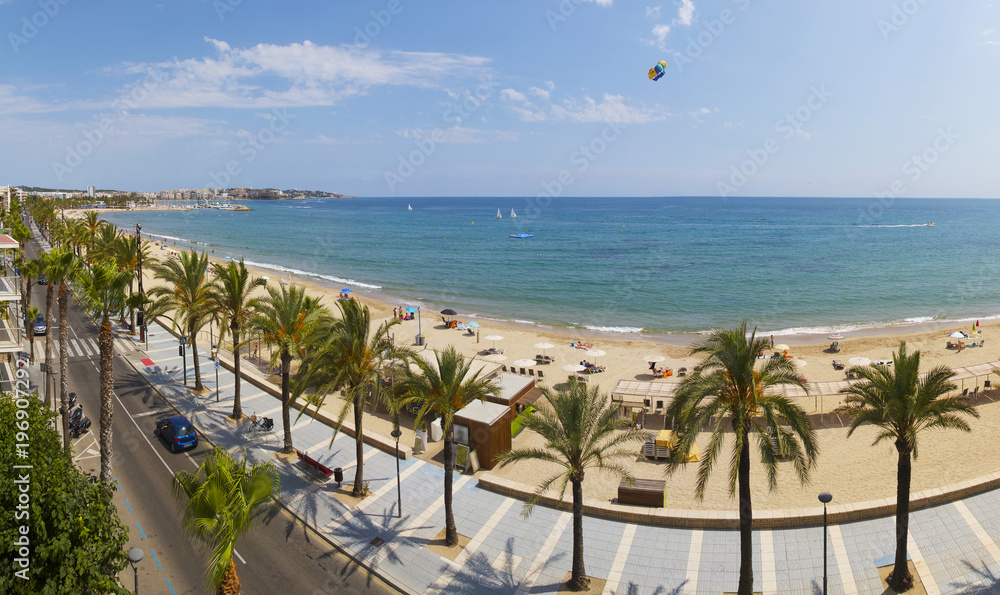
(579, 580)
(230, 584)
(450, 531)
(359, 443)
(63, 366)
(237, 406)
(746, 519)
(286, 364)
(104, 345)
(198, 386)
(49, 292)
(901, 579)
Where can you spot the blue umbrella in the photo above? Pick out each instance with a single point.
(475, 324)
(345, 290)
(411, 309)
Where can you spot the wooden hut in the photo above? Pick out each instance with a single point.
(485, 428)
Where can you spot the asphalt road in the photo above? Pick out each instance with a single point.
(281, 556)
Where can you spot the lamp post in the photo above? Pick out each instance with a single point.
(399, 490)
(134, 557)
(138, 249)
(825, 498)
(215, 358)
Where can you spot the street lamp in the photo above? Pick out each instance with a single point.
(215, 358)
(142, 318)
(134, 557)
(399, 490)
(825, 498)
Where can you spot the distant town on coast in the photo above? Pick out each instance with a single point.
(120, 198)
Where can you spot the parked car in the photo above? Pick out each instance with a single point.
(43, 280)
(177, 432)
(39, 326)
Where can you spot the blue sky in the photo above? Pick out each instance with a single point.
(513, 98)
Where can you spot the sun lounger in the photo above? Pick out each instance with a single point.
(523, 372)
(540, 375)
(531, 372)
(681, 372)
(581, 378)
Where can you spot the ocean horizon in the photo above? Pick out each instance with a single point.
(654, 267)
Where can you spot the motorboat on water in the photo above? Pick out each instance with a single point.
(521, 235)
(929, 224)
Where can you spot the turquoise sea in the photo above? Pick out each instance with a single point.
(654, 266)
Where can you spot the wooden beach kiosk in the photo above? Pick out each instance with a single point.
(516, 392)
(485, 428)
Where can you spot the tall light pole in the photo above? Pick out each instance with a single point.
(825, 498)
(215, 358)
(399, 490)
(134, 557)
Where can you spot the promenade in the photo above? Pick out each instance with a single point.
(953, 546)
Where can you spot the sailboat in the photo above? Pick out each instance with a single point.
(409, 208)
(513, 215)
(499, 216)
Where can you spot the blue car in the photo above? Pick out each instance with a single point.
(38, 326)
(177, 432)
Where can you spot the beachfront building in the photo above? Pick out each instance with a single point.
(11, 328)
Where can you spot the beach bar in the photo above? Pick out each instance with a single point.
(485, 428)
(516, 392)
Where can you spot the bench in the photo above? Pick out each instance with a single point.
(313, 464)
(644, 492)
(651, 451)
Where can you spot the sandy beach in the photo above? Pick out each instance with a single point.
(851, 468)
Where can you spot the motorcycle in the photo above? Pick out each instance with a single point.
(75, 415)
(79, 427)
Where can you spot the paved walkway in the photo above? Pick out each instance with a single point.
(953, 546)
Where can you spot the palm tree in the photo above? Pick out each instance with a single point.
(63, 266)
(353, 358)
(580, 432)
(224, 500)
(287, 318)
(731, 388)
(444, 390)
(91, 224)
(44, 262)
(30, 271)
(186, 293)
(105, 243)
(230, 297)
(103, 290)
(29, 329)
(900, 404)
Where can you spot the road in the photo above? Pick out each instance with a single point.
(281, 556)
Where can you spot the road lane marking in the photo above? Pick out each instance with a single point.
(169, 586)
(140, 531)
(239, 556)
(127, 505)
(155, 559)
(151, 413)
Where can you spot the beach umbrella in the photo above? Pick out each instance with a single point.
(957, 335)
(473, 324)
(574, 368)
(653, 359)
(835, 337)
(493, 338)
(264, 278)
(412, 310)
(859, 361)
(345, 290)
(496, 357)
(449, 312)
(543, 346)
(801, 363)
(525, 363)
(595, 353)
(781, 347)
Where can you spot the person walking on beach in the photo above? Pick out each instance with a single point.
(772, 341)
(394, 313)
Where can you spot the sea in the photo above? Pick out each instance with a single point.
(650, 267)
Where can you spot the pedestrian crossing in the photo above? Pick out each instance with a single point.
(83, 347)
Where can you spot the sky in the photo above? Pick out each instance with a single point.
(516, 98)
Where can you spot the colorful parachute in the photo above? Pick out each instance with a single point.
(657, 71)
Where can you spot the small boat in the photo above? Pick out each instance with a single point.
(522, 235)
(513, 215)
(409, 207)
(499, 216)
(929, 224)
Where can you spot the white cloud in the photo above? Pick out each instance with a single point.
(543, 93)
(295, 75)
(601, 2)
(13, 102)
(992, 43)
(512, 95)
(612, 108)
(458, 135)
(685, 14)
(660, 32)
(989, 31)
(653, 12)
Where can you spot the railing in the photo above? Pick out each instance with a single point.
(10, 339)
(10, 288)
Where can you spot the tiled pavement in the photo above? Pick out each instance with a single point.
(954, 546)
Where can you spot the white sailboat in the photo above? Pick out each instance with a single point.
(513, 215)
(499, 216)
(409, 208)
